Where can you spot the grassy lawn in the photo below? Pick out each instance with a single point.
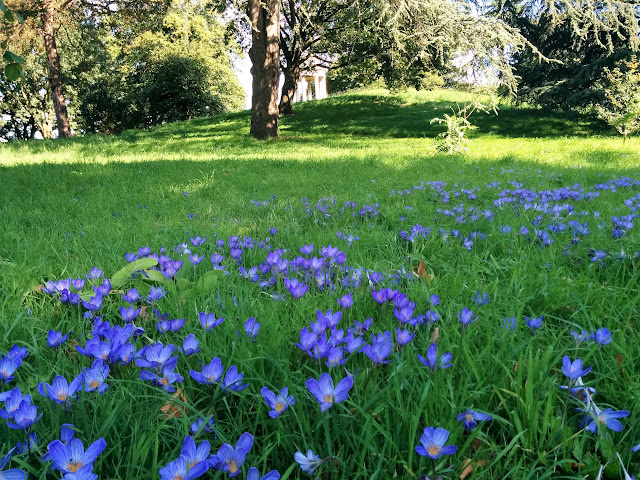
(538, 215)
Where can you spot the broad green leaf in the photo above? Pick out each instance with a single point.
(8, 16)
(183, 284)
(11, 57)
(126, 272)
(12, 71)
(209, 280)
(3, 7)
(155, 276)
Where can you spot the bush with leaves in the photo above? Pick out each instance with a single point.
(621, 109)
(458, 125)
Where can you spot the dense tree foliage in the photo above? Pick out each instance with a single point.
(578, 40)
(126, 70)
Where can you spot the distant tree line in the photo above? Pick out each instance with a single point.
(109, 65)
(106, 66)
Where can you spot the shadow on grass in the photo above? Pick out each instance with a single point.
(354, 115)
(389, 116)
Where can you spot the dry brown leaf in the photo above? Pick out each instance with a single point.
(435, 335)
(468, 466)
(173, 409)
(423, 274)
(38, 288)
(619, 362)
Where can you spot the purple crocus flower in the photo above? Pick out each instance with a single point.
(72, 457)
(481, 298)
(431, 360)
(11, 473)
(190, 345)
(309, 463)
(196, 259)
(12, 400)
(17, 353)
(379, 349)
(251, 327)
(8, 366)
(180, 469)
(405, 313)
(25, 416)
(573, 370)
(157, 356)
(211, 372)
(254, 474)
(202, 425)
(209, 320)
(380, 296)
(233, 380)
(94, 304)
(307, 249)
(165, 378)
(360, 328)
(131, 296)
(60, 391)
(155, 294)
(471, 418)
(198, 241)
(329, 319)
(195, 455)
(534, 323)
(326, 394)
(433, 443)
(171, 325)
(230, 459)
(607, 417)
(95, 376)
(467, 317)
(602, 336)
(103, 289)
(404, 336)
(129, 314)
(307, 339)
(277, 402)
(345, 301)
(94, 274)
(580, 337)
(354, 342)
(296, 288)
(335, 357)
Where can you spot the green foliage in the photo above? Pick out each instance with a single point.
(621, 108)
(12, 62)
(570, 43)
(458, 125)
(178, 72)
(27, 100)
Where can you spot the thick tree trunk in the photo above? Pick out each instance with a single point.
(265, 58)
(289, 90)
(55, 78)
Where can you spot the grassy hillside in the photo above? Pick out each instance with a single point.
(538, 216)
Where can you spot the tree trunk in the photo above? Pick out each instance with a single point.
(265, 59)
(289, 90)
(55, 78)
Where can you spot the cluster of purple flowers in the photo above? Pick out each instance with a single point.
(195, 460)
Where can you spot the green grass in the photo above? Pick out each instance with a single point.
(69, 205)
